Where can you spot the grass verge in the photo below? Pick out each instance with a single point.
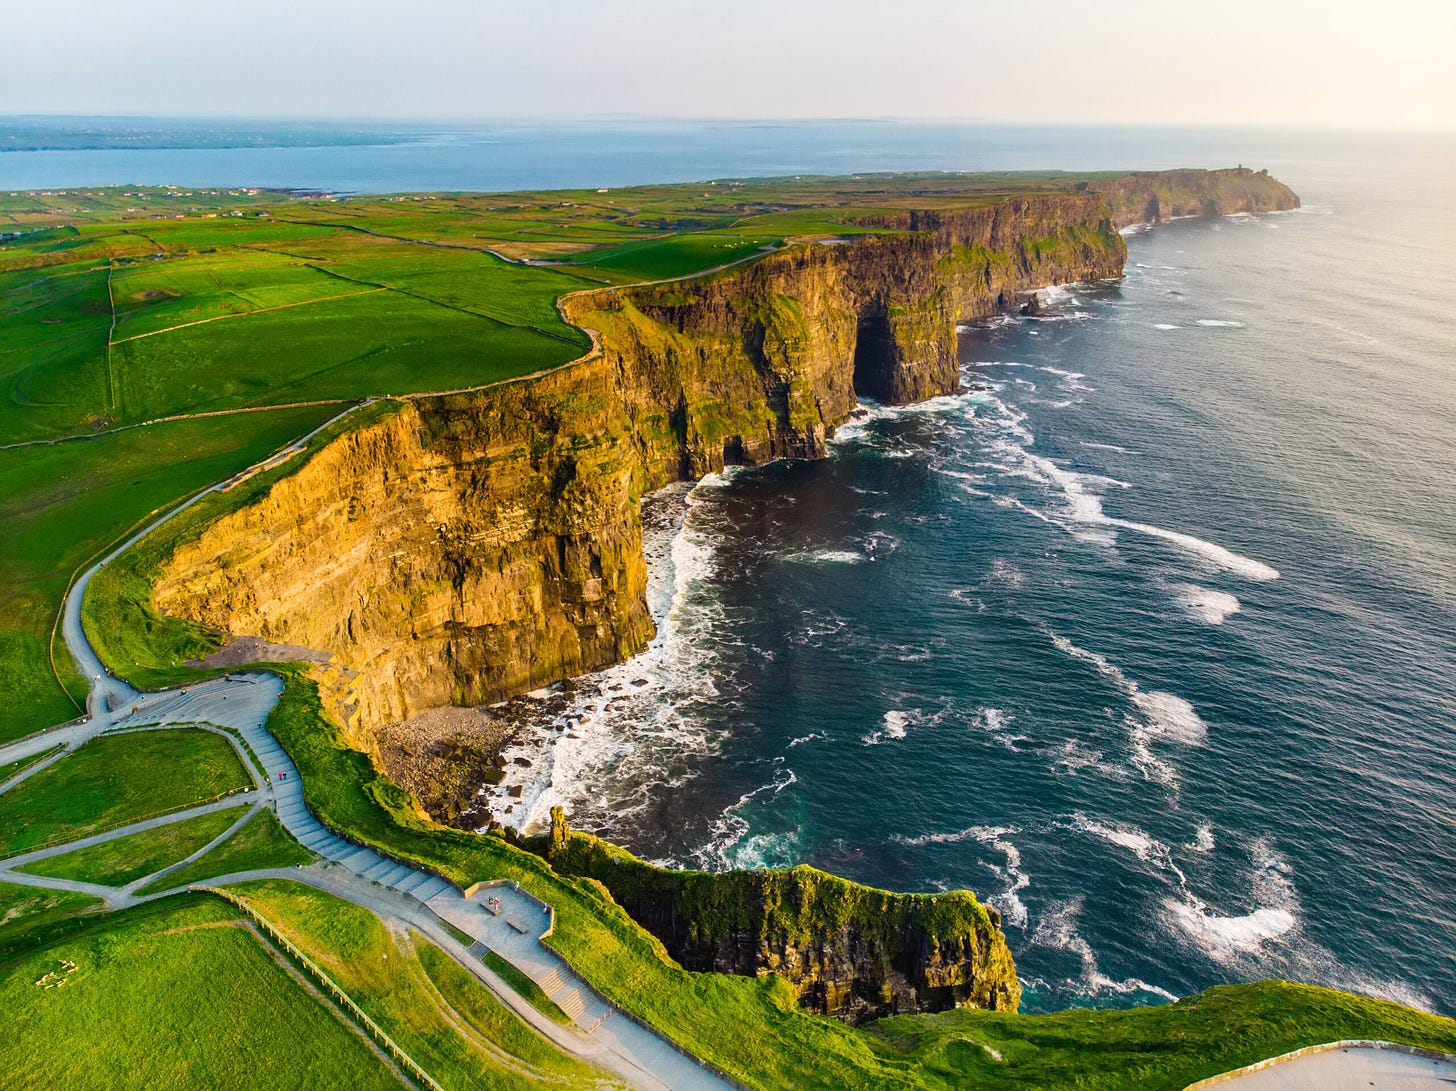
(262, 843)
(464, 1038)
(126, 859)
(529, 990)
(116, 780)
(8, 771)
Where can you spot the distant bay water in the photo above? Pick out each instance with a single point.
(1148, 636)
(547, 155)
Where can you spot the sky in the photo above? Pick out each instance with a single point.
(1334, 63)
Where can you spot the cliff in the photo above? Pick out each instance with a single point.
(849, 950)
(1154, 196)
(474, 546)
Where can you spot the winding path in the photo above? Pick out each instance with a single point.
(397, 892)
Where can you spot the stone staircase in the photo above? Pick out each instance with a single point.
(563, 994)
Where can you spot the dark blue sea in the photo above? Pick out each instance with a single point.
(1148, 636)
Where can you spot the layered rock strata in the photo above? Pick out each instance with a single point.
(475, 546)
(848, 950)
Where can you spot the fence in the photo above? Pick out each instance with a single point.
(376, 1032)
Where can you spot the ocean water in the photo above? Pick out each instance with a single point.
(1148, 636)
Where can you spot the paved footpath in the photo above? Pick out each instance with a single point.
(1354, 1068)
(399, 893)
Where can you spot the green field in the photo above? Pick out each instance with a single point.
(177, 994)
(126, 859)
(61, 504)
(24, 908)
(262, 843)
(116, 780)
(446, 1020)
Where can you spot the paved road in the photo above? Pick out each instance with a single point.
(242, 702)
(1351, 1069)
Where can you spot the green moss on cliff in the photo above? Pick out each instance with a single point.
(845, 947)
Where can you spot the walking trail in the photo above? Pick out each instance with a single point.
(400, 894)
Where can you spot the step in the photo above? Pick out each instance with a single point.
(551, 983)
(416, 880)
(380, 867)
(397, 874)
(571, 1003)
(435, 886)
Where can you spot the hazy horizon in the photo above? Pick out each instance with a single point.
(1293, 64)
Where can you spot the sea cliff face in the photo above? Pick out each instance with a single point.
(475, 546)
(850, 951)
(1154, 196)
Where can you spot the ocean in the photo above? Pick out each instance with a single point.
(1148, 636)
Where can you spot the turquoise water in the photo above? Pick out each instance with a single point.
(1149, 637)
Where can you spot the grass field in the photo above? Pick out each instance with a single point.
(262, 843)
(176, 994)
(29, 906)
(61, 504)
(126, 859)
(116, 780)
(447, 1021)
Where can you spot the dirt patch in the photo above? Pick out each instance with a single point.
(244, 651)
(442, 757)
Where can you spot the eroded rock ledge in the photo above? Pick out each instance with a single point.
(848, 950)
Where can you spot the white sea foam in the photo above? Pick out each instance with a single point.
(1141, 844)
(827, 556)
(1004, 572)
(1008, 440)
(1008, 900)
(729, 844)
(1215, 555)
(1108, 447)
(811, 737)
(623, 733)
(1158, 717)
(1203, 839)
(1165, 326)
(1054, 295)
(996, 722)
(1058, 929)
(1227, 938)
(894, 725)
(1076, 756)
(1206, 604)
(1220, 323)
